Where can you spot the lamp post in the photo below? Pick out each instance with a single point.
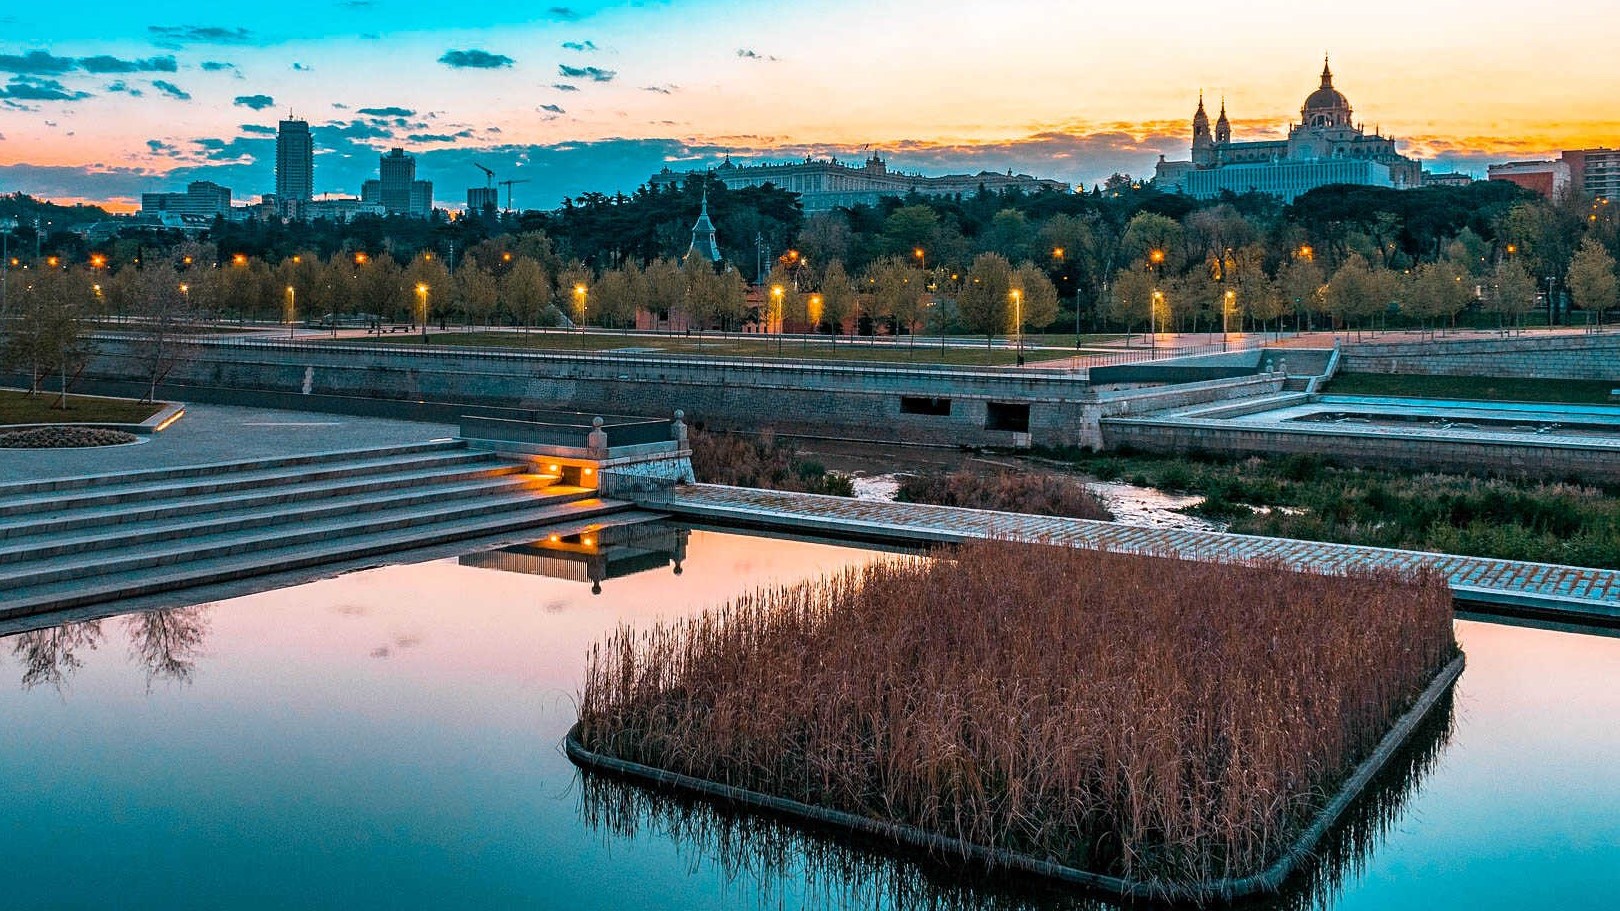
(1226, 314)
(776, 312)
(292, 309)
(1154, 304)
(7, 225)
(422, 304)
(579, 303)
(1018, 321)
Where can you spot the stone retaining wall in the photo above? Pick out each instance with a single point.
(1544, 461)
(1560, 357)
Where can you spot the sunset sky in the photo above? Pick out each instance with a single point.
(101, 101)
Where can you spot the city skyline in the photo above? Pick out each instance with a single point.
(578, 98)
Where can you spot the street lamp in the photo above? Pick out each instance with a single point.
(579, 302)
(7, 225)
(422, 298)
(922, 258)
(1153, 318)
(778, 315)
(1226, 313)
(292, 309)
(1018, 321)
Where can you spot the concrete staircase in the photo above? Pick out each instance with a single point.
(80, 541)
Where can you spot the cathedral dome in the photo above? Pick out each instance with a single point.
(1326, 98)
(1327, 106)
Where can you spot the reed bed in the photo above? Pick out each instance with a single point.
(1006, 491)
(1164, 721)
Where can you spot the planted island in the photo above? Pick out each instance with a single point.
(1135, 723)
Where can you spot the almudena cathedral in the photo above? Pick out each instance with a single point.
(1324, 147)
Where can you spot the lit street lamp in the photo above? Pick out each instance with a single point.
(580, 303)
(1153, 318)
(422, 299)
(1018, 321)
(292, 309)
(1226, 313)
(776, 312)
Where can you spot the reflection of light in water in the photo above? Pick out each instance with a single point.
(838, 872)
(593, 554)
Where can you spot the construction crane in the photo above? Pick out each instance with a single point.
(508, 185)
(489, 176)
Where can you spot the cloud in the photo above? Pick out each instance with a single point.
(123, 88)
(255, 102)
(258, 128)
(431, 137)
(176, 35)
(593, 73)
(750, 54)
(583, 47)
(302, 67)
(171, 90)
(564, 87)
(388, 112)
(220, 66)
(37, 63)
(474, 59)
(661, 89)
(551, 108)
(565, 13)
(106, 64)
(33, 88)
(332, 134)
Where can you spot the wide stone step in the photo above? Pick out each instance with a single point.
(77, 542)
(130, 514)
(132, 583)
(320, 535)
(114, 489)
(23, 488)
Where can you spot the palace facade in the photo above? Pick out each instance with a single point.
(1325, 147)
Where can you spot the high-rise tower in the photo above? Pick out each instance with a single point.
(398, 172)
(295, 167)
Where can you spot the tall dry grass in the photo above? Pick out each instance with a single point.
(1030, 492)
(1161, 720)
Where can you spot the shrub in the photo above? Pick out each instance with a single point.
(1166, 721)
(763, 462)
(63, 438)
(1037, 494)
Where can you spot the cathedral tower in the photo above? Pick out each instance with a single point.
(1203, 144)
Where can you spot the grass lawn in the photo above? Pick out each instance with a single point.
(715, 345)
(1481, 388)
(18, 407)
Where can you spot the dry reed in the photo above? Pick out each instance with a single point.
(1165, 721)
(1030, 492)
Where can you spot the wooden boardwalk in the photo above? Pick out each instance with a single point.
(1568, 592)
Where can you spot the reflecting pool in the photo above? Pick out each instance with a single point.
(389, 738)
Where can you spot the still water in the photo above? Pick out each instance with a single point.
(389, 738)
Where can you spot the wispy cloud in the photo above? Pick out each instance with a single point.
(564, 87)
(475, 59)
(220, 66)
(255, 102)
(593, 73)
(34, 88)
(552, 108)
(661, 89)
(387, 112)
(106, 64)
(565, 13)
(171, 90)
(123, 88)
(37, 63)
(583, 47)
(176, 35)
(751, 54)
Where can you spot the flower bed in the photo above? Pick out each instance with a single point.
(63, 438)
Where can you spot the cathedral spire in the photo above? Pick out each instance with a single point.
(1327, 73)
(1223, 127)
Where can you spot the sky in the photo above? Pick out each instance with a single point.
(102, 101)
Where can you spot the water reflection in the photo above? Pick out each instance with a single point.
(836, 871)
(165, 644)
(594, 554)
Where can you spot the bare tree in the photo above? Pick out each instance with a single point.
(162, 331)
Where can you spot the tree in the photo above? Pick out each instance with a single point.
(162, 326)
(379, 287)
(664, 287)
(1010, 235)
(1592, 279)
(428, 282)
(478, 291)
(1037, 297)
(985, 302)
(574, 286)
(1352, 294)
(897, 292)
(837, 298)
(46, 331)
(1513, 291)
(1301, 285)
(526, 290)
(1130, 298)
(1438, 291)
(617, 294)
(781, 298)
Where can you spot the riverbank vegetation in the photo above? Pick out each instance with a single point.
(762, 460)
(1160, 720)
(1036, 493)
(1309, 498)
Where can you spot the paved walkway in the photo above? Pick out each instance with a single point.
(218, 433)
(1568, 591)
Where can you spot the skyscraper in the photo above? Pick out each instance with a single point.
(295, 167)
(398, 172)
